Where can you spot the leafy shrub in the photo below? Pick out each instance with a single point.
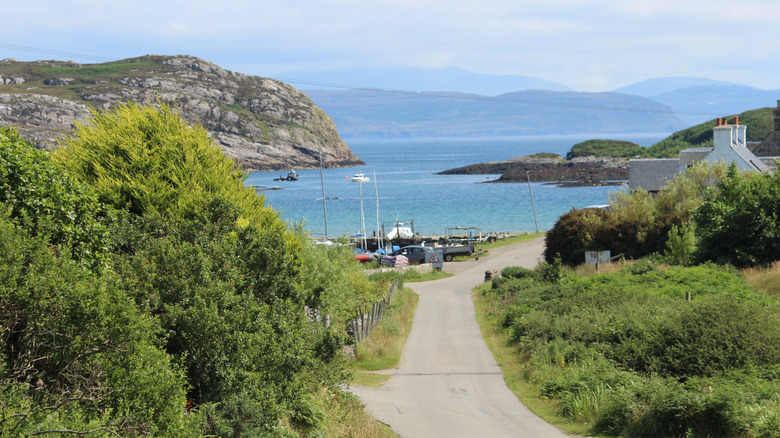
(46, 202)
(637, 224)
(149, 161)
(739, 222)
(574, 233)
(76, 353)
(518, 272)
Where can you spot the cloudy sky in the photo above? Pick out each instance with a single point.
(594, 45)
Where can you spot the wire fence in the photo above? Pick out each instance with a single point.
(366, 319)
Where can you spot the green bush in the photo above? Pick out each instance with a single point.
(637, 224)
(518, 272)
(149, 161)
(48, 203)
(76, 354)
(740, 221)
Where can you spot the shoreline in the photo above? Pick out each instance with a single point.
(577, 172)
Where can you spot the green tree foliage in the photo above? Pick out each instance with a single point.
(148, 160)
(605, 148)
(574, 233)
(739, 223)
(46, 202)
(337, 285)
(221, 274)
(75, 354)
(681, 243)
(637, 224)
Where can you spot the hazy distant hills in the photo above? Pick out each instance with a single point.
(393, 103)
(694, 105)
(656, 86)
(374, 114)
(450, 79)
(695, 100)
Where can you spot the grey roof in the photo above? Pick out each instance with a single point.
(750, 158)
(691, 156)
(651, 174)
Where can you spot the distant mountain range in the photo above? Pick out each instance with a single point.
(375, 114)
(451, 79)
(392, 103)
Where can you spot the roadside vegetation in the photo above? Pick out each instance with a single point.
(382, 350)
(637, 224)
(676, 342)
(145, 291)
(627, 354)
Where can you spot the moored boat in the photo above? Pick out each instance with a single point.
(359, 177)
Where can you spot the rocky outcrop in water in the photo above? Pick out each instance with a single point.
(262, 123)
(581, 171)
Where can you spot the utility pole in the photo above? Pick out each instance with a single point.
(532, 200)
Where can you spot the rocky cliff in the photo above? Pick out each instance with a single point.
(262, 123)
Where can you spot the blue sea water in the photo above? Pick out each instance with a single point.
(409, 189)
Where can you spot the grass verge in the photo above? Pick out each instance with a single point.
(373, 380)
(416, 277)
(514, 369)
(345, 416)
(382, 349)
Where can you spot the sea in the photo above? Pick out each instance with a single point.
(404, 186)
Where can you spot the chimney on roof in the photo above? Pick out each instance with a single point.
(736, 120)
(720, 121)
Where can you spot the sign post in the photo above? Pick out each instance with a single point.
(435, 258)
(595, 258)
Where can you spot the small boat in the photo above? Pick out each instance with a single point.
(400, 232)
(292, 176)
(359, 177)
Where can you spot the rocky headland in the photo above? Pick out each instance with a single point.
(262, 123)
(580, 171)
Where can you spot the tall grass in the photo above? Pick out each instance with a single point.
(765, 280)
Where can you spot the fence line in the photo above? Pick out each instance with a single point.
(365, 320)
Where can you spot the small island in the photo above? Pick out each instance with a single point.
(590, 163)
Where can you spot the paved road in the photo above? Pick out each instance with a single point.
(448, 384)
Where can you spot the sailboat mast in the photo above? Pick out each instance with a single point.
(378, 230)
(322, 184)
(362, 218)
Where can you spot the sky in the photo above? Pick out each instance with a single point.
(596, 45)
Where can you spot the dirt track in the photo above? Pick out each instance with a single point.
(448, 384)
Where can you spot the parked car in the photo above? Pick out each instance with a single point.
(415, 254)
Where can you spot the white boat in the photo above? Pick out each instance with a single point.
(359, 177)
(400, 232)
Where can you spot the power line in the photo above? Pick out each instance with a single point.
(55, 52)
